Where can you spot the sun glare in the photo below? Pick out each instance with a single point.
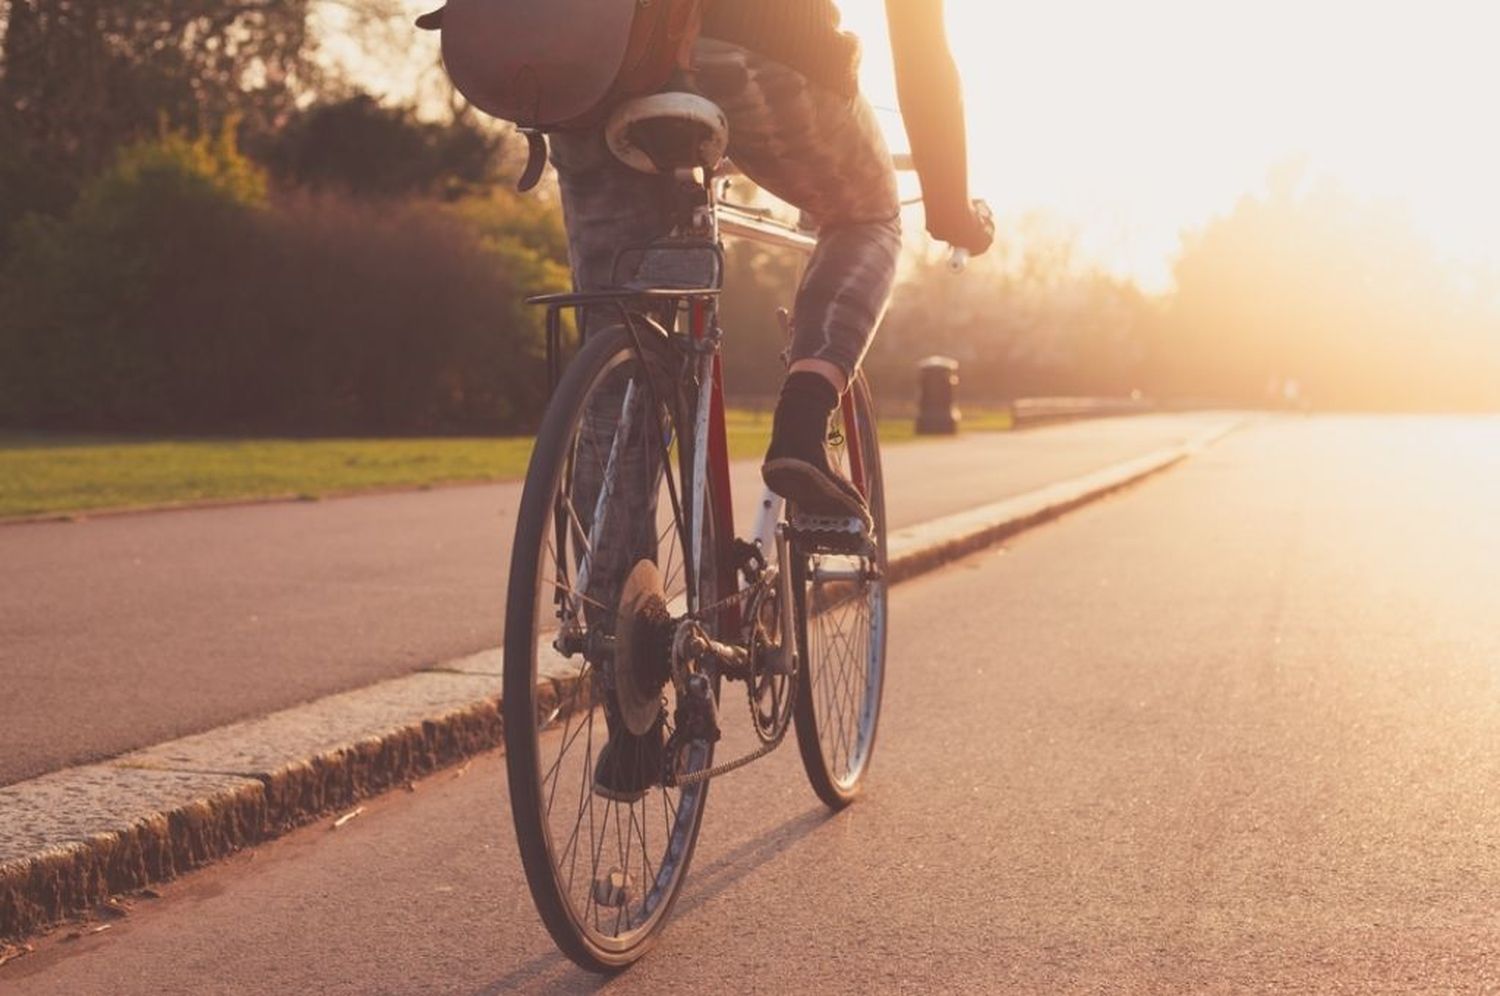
(1135, 121)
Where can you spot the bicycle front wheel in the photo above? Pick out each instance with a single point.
(608, 487)
(841, 624)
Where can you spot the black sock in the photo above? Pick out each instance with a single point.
(800, 426)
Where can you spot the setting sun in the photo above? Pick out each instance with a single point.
(1134, 121)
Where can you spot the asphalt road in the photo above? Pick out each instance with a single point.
(122, 632)
(1233, 730)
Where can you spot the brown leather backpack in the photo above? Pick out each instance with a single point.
(549, 65)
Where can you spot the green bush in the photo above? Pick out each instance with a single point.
(394, 318)
(27, 185)
(79, 339)
(176, 296)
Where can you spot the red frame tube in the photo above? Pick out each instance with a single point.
(851, 443)
(719, 495)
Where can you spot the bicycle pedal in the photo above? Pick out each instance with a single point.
(830, 534)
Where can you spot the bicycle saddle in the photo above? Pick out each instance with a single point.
(667, 132)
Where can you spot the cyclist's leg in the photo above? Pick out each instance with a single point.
(608, 208)
(824, 153)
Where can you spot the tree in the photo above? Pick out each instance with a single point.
(758, 280)
(1031, 318)
(363, 148)
(82, 340)
(1344, 297)
(81, 77)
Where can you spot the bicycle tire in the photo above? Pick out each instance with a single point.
(842, 645)
(549, 710)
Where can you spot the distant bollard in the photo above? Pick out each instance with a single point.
(937, 380)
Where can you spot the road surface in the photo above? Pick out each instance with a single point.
(122, 632)
(1232, 730)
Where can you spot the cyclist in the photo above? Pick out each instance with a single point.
(786, 78)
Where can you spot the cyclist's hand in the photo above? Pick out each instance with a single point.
(972, 229)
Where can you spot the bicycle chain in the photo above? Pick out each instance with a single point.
(743, 595)
(694, 777)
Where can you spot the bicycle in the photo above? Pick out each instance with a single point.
(632, 603)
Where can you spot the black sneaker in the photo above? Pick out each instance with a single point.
(629, 766)
(797, 466)
(815, 490)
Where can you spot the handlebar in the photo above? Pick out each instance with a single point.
(958, 258)
(757, 224)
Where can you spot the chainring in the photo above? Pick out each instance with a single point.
(769, 688)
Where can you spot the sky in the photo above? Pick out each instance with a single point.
(1130, 123)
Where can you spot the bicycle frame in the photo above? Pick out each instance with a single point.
(708, 221)
(739, 222)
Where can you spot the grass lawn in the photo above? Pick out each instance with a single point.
(50, 473)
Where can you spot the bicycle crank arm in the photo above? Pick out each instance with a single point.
(788, 662)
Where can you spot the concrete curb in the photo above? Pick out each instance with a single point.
(918, 549)
(248, 501)
(71, 839)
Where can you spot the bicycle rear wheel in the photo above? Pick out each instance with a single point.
(841, 626)
(608, 486)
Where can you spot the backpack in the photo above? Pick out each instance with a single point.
(550, 65)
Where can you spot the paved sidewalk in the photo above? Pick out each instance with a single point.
(122, 632)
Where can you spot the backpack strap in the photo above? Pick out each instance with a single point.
(536, 159)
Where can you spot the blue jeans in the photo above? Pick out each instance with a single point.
(817, 150)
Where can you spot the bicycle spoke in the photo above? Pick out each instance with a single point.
(552, 774)
(836, 640)
(842, 627)
(580, 533)
(570, 849)
(598, 853)
(622, 852)
(574, 593)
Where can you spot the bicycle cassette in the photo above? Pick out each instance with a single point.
(643, 648)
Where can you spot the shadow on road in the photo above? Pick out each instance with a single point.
(706, 883)
(553, 973)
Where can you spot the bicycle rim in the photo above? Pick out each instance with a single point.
(604, 873)
(842, 627)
